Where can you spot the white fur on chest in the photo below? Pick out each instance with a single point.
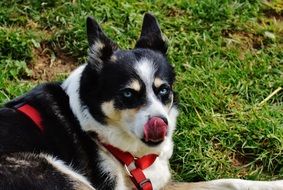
(158, 173)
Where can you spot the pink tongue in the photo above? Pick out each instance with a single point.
(155, 130)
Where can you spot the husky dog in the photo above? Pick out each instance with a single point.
(109, 125)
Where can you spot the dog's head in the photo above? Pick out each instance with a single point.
(129, 92)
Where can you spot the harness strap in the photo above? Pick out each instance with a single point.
(33, 114)
(134, 166)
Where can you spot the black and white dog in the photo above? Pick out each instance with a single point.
(89, 131)
(109, 125)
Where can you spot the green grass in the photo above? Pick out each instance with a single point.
(228, 56)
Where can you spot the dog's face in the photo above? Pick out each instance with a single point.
(130, 91)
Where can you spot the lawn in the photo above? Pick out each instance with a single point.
(228, 57)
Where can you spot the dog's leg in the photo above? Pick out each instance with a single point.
(228, 184)
(30, 171)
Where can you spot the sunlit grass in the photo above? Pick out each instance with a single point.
(227, 56)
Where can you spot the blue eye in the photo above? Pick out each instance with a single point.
(164, 91)
(127, 94)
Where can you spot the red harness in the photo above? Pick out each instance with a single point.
(134, 166)
(33, 114)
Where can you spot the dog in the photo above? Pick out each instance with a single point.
(109, 125)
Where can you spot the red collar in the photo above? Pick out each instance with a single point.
(134, 166)
(32, 113)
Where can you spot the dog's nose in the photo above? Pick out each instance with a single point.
(161, 117)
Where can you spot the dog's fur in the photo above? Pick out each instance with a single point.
(108, 100)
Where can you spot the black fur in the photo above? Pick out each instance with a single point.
(96, 35)
(22, 171)
(151, 36)
(62, 136)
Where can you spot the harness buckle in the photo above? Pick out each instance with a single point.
(142, 183)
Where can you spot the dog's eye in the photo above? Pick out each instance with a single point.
(164, 90)
(127, 93)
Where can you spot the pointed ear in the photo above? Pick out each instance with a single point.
(100, 46)
(151, 36)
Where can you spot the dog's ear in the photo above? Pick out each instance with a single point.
(151, 36)
(100, 46)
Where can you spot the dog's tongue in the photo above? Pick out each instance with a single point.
(155, 130)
